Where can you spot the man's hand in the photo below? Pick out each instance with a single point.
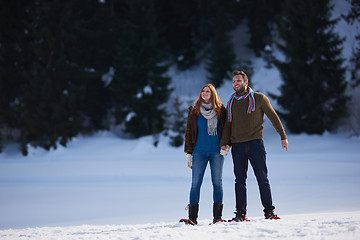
(224, 150)
(284, 144)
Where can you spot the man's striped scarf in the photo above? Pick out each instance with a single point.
(251, 107)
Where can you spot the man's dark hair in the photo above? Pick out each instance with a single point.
(242, 74)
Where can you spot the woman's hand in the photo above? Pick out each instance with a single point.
(189, 160)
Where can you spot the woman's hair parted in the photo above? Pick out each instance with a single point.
(214, 99)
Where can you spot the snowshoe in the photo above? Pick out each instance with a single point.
(271, 215)
(188, 221)
(239, 218)
(217, 220)
(217, 213)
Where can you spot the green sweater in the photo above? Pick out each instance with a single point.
(246, 127)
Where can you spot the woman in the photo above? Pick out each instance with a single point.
(202, 145)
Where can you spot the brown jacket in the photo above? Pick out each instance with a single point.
(246, 127)
(191, 128)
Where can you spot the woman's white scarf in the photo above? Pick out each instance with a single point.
(208, 112)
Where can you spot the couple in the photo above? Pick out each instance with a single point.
(211, 130)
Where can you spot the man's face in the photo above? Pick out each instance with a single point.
(239, 84)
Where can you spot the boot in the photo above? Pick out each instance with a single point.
(240, 217)
(271, 215)
(217, 212)
(193, 214)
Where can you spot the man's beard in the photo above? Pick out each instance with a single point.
(240, 91)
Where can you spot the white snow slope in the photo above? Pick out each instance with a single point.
(90, 189)
(308, 226)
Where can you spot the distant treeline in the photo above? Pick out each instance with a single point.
(70, 67)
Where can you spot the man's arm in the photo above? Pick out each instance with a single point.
(226, 134)
(275, 120)
(273, 117)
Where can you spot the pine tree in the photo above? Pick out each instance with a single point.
(183, 30)
(46, 108)
(220, 57)
(61, 90)
(188, 27)
(313, 90)
(353, 17)
(260, 15)
(139, 88)
(52, 80)
(14, 35)
(177, 122)
(96, 29)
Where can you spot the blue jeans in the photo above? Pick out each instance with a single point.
(242, 153)
(199, 163)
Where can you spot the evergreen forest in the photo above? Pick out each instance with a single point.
(75, 67)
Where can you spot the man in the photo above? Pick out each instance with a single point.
(243, 129)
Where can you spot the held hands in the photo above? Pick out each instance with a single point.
(224, 150)
(189, 160)
(284, 144)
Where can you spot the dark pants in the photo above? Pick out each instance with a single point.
(254, 151)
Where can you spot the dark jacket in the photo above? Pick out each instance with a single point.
(191, 128)
(246, 127)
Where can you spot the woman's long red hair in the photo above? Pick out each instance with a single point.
(214, 99)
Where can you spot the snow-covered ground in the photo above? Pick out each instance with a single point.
(305, 226)
(104, 187)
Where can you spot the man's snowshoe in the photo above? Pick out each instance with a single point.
(239, 218)
(271, 215)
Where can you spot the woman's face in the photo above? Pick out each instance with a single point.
(206, 94)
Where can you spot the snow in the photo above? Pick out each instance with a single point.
(108, 77)
(320, 226)
(130, 116)
(148, 90)
(105, 187)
